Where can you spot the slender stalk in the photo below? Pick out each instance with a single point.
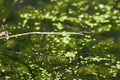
(49, 33)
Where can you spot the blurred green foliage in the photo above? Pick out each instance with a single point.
(61, 57)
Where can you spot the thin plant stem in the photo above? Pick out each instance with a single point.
(48, 33)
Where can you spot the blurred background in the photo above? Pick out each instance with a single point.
(93, 56)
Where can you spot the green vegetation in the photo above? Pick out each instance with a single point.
(94, 56)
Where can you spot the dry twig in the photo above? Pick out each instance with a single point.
(49, 33)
